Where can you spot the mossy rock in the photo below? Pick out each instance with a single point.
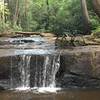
(96, 35)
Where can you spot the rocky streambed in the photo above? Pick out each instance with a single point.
(79, 66)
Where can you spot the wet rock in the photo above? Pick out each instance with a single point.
(78, 64)
(1, 88)
(72, 81)
(77, 69)
(83, 63)
(80, 69)
(4, 67)
(95, 63)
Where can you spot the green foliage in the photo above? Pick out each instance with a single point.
(95, 20)
(58, 16)
(17, 28)
(1, 26)
(3, 9)
(96, 32)
(95, 23)
(4, 12)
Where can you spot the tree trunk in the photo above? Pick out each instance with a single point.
(2, 13)
(15, 17)
(96, 5)
(26, 14)
(47, 16)
(86, 19)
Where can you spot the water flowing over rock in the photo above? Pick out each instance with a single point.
(20, 72)
(34, 71)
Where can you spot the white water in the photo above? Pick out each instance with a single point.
(44, 78)
(20, 72)
(45, 74)
(24, 68)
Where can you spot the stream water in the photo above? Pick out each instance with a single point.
(62, 95)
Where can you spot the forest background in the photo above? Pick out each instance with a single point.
(54, 16)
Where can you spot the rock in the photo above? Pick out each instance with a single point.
(4, 67)
(1, 88)
(78, 67)
(84, 63)
(78, 63)
(73, 81)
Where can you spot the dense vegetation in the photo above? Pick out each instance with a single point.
(57, 16)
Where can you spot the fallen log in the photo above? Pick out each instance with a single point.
(28, 33)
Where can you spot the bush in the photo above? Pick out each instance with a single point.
(6, 27)
(17, 28)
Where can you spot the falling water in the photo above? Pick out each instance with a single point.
(45, 73)
(51, 67)
(26, 73)
(25, 70)
(20, 72)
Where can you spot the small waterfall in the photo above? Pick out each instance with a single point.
(31, 71)
(51, 67)
(45, 72)
(20, 72)
(25, 70)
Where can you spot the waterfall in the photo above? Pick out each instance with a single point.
(25, 70)
(51, 67)
(31, 71)
(20, 72)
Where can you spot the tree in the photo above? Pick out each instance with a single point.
(2, 12)
(47, 15)
(15, 17)
(86, 19)
(57, 16)
(96, 5)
